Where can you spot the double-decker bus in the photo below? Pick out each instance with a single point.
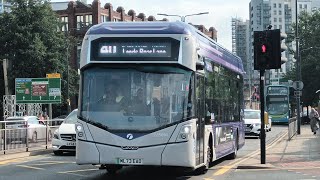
(277, 103)
(159, 94)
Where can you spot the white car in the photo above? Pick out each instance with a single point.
(252, 121)
(64, 138)
(17, 127)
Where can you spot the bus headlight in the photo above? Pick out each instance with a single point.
(185, 133)
(78, 128)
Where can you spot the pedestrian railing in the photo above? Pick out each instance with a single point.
(22, 135)
(292, 127)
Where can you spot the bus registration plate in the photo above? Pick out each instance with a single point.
(71, 144)
(129, 161)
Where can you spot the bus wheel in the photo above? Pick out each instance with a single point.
(236, 145)
(112, 169)
(209, 157)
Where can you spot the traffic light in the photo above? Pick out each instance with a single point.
(268, 49)
(283, 48)
(262, 49)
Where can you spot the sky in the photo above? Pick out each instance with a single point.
(219, 17)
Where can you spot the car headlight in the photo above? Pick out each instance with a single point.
(257, 124)
(56, 134)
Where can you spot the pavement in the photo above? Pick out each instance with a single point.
(21, 153)
(299, 156)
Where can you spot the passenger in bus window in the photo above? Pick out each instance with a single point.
(110, 95)
(139, 104)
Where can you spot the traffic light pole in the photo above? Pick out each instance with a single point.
(298, 69)
(262, 129)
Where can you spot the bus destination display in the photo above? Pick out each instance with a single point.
(135, 49)
(277, 90)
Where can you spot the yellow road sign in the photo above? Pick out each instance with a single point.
(54, 75)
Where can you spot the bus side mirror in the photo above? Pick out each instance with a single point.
(200, 65)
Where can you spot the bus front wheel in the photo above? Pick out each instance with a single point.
(112, 169)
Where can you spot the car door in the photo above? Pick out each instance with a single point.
(37, 127)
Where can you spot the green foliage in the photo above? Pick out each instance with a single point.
(31, 42)
(309, 34)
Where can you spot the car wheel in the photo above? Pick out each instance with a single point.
(34, 137)
(58, 153)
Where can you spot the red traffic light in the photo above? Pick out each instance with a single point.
(264, 48)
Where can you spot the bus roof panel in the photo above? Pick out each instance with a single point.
(139, 28)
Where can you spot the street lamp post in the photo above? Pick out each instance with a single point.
(183, 18)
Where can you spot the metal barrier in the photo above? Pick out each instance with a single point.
(292, 127)
(21, 135)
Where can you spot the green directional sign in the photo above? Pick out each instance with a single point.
(38, 90)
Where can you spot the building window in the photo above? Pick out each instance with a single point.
(274, 5)
(88, 20)
(280, 19)
(64, 21)
(78, 54)
(275, 12)
(280, 27)
(79, 22)
(275, 19)
(279, 5)
(104, 18)
(305, 6)
(275, 27)
(300, 6)
(280, 12)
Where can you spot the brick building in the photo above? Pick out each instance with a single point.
(78, 17)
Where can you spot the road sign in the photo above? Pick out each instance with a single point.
(297, 85)
(38, 90)
(297, 93)
(54, 75)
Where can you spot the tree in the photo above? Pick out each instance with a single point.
(309, 34)
(32, 44)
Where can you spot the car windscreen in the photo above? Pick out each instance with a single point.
(251, 114)
(71, 118)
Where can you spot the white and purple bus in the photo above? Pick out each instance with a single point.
(157, 94)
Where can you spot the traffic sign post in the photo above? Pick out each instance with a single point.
(297, 85)
(38, 90)
(297, 93)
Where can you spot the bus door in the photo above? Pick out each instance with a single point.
(200, 110)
